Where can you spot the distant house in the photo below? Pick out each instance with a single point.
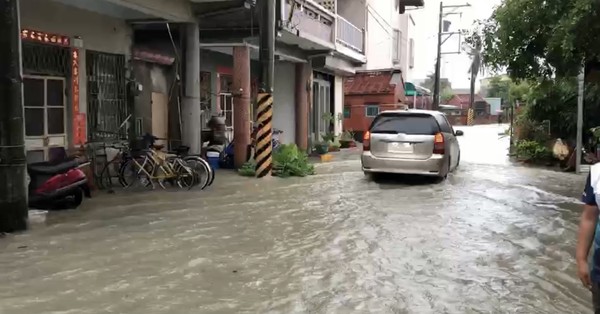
(368, 93)
(463, 101)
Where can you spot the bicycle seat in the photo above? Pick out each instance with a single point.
(158, 146)
(48, 168)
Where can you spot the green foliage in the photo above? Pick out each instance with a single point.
(532, 130)
(532, 150)
(508, 90)
(248, 169)
(446, 95)
(347, 136)
(288, 161)
(328, 137)
(539, 38)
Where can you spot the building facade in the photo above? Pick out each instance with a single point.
(76, 64)
(379, 84)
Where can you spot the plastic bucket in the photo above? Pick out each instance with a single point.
(213, 159)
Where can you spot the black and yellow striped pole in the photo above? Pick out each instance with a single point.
(264, 148)
(263, 154)
(470, 116)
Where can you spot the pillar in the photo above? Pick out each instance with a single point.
(241, 104)
(13, 188)
(302, 88)
(191, 111)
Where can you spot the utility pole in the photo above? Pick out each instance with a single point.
(438, 62)
(580, 97)
(13, 170)
(264, 117)
(442, 30)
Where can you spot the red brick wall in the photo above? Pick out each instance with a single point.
(358, 120)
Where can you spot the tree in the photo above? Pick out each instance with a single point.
(508, 90)
(541, 38)
(430, 82)
(446, 95)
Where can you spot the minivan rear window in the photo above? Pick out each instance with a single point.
(413, 124)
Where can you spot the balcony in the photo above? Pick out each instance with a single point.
(350, 35)
(320, 24)
(309, 20)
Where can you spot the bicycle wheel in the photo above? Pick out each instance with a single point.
(132, 172)
(203, 170)
(186, 176)
(107, 174)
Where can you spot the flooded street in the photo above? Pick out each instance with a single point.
(493, 238)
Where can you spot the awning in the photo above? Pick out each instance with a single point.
(411, 89)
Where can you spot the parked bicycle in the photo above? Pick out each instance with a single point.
(154, 166)
(148, 164)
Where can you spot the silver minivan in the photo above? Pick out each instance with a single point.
(420, 142)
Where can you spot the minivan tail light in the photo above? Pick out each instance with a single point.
(367, 141)
(438, 144)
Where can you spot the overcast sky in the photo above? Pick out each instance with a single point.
(454, 67)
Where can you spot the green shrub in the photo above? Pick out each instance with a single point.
(289, 161)
(248, 169)
(532, 150)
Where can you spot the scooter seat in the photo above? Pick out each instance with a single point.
(52, 168)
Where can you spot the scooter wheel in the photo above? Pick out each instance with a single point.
(74, 199)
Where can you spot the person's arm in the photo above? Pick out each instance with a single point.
(587, 227)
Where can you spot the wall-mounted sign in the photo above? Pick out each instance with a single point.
(148, 56)
(46, 38)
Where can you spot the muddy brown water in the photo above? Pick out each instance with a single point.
(493, 238)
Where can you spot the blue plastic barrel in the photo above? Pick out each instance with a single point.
(213, 159)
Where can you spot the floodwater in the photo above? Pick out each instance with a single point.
(493, 238)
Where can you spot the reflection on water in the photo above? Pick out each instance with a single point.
(491, 239)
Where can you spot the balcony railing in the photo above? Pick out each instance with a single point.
(309, 17)
(350, 35)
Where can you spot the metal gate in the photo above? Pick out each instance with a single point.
(40, 59)
(106, 96)
(227, 103)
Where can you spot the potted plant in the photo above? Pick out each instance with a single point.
(347, 139)
(335, 147)
(322, 147)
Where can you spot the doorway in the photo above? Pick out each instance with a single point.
(321, 105)
(45, 116)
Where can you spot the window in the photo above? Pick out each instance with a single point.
(445, 125)
(372, 111)
(411, 124)
(347, 112)
(396, 45)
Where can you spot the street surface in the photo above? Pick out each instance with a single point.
(493, 238)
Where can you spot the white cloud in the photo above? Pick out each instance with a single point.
(454, 67)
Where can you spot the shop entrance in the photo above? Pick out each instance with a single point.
(45, 116)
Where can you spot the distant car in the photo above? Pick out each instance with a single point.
(419, 142)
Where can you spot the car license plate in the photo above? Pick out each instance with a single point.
(400, 148)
